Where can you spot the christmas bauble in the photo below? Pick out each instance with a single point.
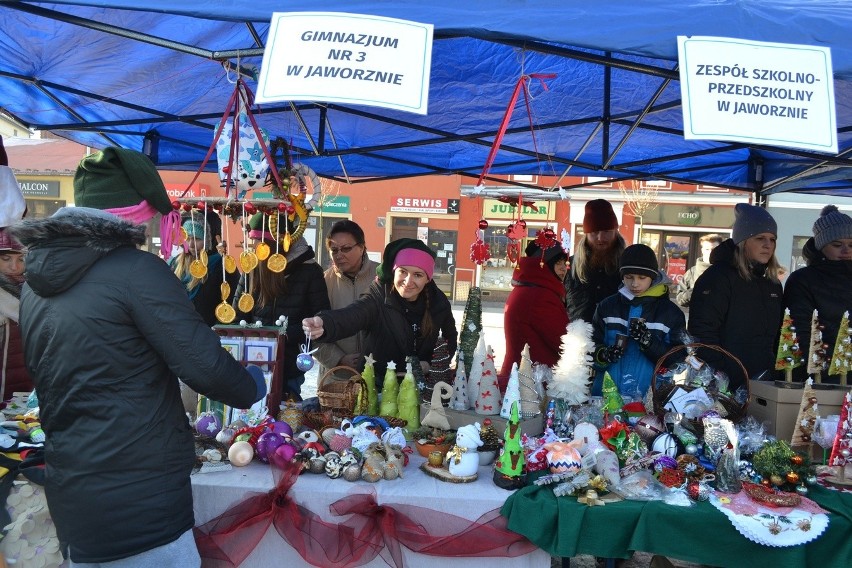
(282, 428)
(304, 362)
(776, 479)
(797, 459)
(691, 449)
(483, 224)
(811, 479)
(649, 427)
(698, 491)
(333, 467)
(801, 490)
(665, 444)
(285, 452)
(208, 424)
(240, 453)
(266, 445)
(792, 477)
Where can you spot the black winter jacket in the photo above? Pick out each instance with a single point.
(584, 297)
(305, 295)
(390, 336)
(741, 316)
(824, 285)
(107, 330)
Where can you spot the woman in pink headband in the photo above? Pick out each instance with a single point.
(403, 312)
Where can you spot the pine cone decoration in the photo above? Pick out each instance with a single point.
(690, 466)
(488, 435)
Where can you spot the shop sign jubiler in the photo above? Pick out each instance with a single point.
(758, 93)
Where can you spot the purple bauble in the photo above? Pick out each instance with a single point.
(304, 362)
(266, 445)
(208, 424)
(283, 428)
(285, 452)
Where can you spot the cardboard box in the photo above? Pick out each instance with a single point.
(778, 407)
(457, 418)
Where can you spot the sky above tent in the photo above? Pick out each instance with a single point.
(108, 73)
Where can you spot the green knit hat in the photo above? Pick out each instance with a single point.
(385, 270)
(116, 177)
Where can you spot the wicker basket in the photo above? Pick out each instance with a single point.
(340, 396)
(736, 411)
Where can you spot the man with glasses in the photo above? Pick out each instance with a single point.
(350, 275)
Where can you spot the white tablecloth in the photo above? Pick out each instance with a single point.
(214, 493)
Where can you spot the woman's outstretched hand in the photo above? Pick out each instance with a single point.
(313, 327)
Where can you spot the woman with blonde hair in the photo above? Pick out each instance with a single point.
(737, 304)
(204, 291)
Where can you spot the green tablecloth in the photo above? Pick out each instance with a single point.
(701, 534)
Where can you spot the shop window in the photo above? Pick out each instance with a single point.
(41, 208)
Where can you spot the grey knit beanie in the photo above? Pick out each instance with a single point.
(751, 220)
(831, 226)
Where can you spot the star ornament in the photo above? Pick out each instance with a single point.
(369, 361)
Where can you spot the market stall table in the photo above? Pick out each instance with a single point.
(215, 493)
(701, 534)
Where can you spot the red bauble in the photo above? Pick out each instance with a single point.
(290, 209)
(176, 205)
(250, 208)
(187, 207)
(201, 206)
(479, 252)
(483, 224)
(282, 207)
(797, 460)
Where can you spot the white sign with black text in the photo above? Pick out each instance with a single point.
(757, 92)
(347, 58)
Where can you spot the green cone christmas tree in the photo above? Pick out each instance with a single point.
(471, 327)
(509, 467)
(842, 356)
(612, 401)
(369, 376)
(789, 351)
(408, 401)
(390, 392)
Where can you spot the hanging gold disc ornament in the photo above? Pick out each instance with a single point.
(246, 302)
(248, 260)
(230, 264)
(197, 269)
(225, 289)
(277, 262)
(225, 313)
(261, 249)
(202, 256)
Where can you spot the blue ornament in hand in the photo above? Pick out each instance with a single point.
(304, 362)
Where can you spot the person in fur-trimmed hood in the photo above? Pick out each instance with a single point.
(107, 331)
(636, 326)
(825, 284)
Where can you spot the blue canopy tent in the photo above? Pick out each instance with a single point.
(114, 73)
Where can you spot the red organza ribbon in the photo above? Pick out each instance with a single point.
(520, 87)
(370, 530)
